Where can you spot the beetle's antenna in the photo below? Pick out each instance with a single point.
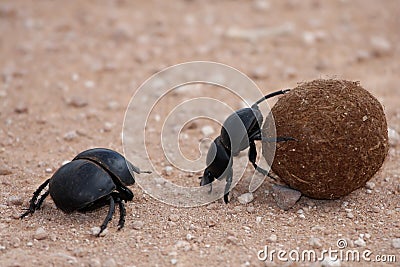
(280, 92)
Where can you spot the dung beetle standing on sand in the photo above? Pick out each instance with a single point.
(239, 131)
(93, 179)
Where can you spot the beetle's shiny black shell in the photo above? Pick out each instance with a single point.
(239, 127)
(78, 184)
(111, 161)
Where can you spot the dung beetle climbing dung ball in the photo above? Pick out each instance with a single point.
(342, 138)
(93, 179)
(238, 132)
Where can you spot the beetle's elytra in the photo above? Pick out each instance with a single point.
(93, 179)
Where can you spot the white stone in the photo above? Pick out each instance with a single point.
(246, 198)
(207, 130)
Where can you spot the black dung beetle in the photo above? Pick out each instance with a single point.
(93, 179)
(239, 131)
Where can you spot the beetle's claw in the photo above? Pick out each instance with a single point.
(226, 199)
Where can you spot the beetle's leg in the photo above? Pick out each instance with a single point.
(122, 214)
(228, 184)
(253, 157)
(32, 203)
(122, 211)
(109, 216)
(41, 199)
(207, 179)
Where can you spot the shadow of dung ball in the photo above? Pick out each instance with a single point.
(342, 138)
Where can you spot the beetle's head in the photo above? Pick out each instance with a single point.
(207, 177)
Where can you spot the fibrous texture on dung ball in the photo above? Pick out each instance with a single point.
(341, 133)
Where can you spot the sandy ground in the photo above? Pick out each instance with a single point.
(68, 71)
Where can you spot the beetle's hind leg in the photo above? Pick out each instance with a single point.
(108, 217)
(33, 203)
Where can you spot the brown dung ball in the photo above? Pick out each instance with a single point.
(342, 138)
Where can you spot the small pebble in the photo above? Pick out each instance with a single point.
(77, 102)
(300, 211)
(273, 238)
(168, 170)
(394, 137)
(285, 197)
(109, 263)
(232, 240)
(108, 126)
(250, 209)
(79, 252)
(95, 231)
(350, 215)
(289, 73)
(75, 77)
(40, 234)
(246, 198)
(315, 242)
(207, 130)
(192, 125)
(71, 135)
(183, 245)
(48, 170)
(89, 84)
(5, 171)
(174, 261)
(376, 209)
(360, 242)
(112, 105)
(94, 262)
(15, 242)
(211, 222)
(362, 55)
(370, 185)
(330, 262)
(14, 200)
(381, 46)
(70, 259)
(262, 5)
(21, 108)
(137, 225)
(259, 73)
(396, 243)
(174, 217)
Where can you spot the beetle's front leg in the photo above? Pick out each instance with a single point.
(253, 157)
(122, 210)
(108, 217)
(228, 184)
(33, 205)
